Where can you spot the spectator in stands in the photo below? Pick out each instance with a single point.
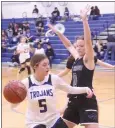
(40, 26)
(35, 12)
(4, 33)
(11, 26)
(97, 11)
(55, 15)
(26, 26)
(4, 43)
(10, 30)
(66, 13)
(10, 33)
(15, 30)
(92, 12)
(50, 53)
(15, 60)
(29, 36)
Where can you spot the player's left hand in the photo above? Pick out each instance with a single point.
(89, 92)
(83, 12)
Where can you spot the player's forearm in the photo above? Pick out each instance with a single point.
(63, 73)
(106, 65)
(64, 40)
(87, 32)
(77, 90)
(87, 39)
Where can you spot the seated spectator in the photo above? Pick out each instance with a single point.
(92, 12)
(55, 15)
(11, 26)
(40, 26)
(35, 12)
(4, 34)
(66, 13)
(26, 26)
(29, 36)
(50, 53)
(15, 60)
(15, 30)
(4, 43)
(10, 33)
(97, 11)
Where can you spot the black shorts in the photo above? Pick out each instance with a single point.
(59, 124)
(82, 110)
(27, 60)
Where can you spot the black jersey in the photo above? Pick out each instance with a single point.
(81, 76)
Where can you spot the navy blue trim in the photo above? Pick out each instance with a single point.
(56, 122)
(49, 82)
(30, 82)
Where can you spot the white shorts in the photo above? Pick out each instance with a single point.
(23, 58)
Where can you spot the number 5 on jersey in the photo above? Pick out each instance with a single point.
(42, 103)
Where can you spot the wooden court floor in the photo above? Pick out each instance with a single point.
(104, 89)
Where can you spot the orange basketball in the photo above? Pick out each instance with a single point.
(15, 92)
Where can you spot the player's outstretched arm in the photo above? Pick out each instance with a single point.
(104, 64)
(64, 72)
(65, 41)
(87, 34)
(62, 85)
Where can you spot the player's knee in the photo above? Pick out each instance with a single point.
(69, 124)
(22, 65)
(28, 63)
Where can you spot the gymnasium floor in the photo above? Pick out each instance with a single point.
(104, 89)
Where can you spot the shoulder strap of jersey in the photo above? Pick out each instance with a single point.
(49, 80)
(30, 82)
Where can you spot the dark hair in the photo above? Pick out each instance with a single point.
(92, 7)
(71, 58)
(36, 59)
(79, 38)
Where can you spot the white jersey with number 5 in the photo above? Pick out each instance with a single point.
(41, 96)
(25, 54)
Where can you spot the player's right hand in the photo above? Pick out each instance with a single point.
(89, 92)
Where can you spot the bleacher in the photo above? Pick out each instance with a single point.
(73, 30)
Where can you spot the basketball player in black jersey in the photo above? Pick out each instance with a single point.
(80, 109)
(68, 68)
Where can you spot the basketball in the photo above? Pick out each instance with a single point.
(14, 92)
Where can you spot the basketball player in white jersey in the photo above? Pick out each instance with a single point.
(41, 88)
(23, 50)
(39, 50)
